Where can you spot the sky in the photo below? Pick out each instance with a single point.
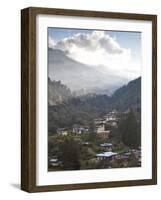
(118, 52)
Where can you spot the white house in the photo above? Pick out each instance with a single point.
(78, 129)
(62, 131)
(106, 155)
(55, 162)
(102, 132)
(112, 116)
(100, 128)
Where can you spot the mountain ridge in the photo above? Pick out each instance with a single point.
(78, 76)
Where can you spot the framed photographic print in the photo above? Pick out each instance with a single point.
(89, 99)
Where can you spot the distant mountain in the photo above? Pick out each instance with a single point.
(78, 76)
(83, 109)
(57, 92)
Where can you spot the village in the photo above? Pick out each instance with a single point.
(104, 152)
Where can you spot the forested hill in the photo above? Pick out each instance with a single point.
(128, 96)
(83, 109)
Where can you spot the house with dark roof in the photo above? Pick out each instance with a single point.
(107, 146)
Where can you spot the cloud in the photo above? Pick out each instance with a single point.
(93, 41)
(51, 42)
(97, 48)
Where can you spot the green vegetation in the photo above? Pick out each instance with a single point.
(128, 96)
(75, 151)
(69, 153)
(120, 148)
(129, 131)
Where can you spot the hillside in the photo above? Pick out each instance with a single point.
(128, 96)
(78, 76)
(82, 110)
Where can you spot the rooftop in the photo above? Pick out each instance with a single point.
(106, 145)
(106, 154)
(108, 131)
(54, 160)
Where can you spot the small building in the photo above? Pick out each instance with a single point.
(86, 143)
(108, 155)
(99, 121)
(54, 162)
(111, 116)
(100, 127)
(78, 129)
(104, 134)
(125, 156)
(107, 146)
(111, 124)
(136, 153)
(62, 131)
(139, 162)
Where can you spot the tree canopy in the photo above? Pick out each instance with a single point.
(129, 130)
(70, 154)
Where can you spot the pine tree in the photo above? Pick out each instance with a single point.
(129, 131)
(92, 132)
(70, 154)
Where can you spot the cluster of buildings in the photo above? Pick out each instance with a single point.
(102, 125)
(76, 129)
(106, 123)
(124, 158)
(108, 155)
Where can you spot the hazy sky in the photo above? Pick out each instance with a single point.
(118, 52)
